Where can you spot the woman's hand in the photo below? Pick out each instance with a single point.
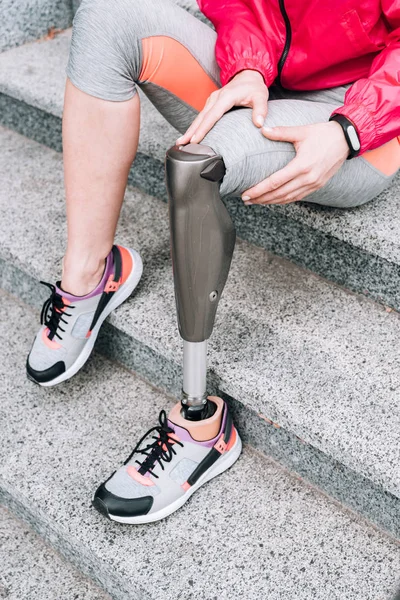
(321, 150)
(247, 88)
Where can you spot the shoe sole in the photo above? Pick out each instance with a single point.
(222, 464)
(119, 297)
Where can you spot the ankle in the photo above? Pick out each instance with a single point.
(81, 277)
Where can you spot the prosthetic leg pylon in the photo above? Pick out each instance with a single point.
(202, 243)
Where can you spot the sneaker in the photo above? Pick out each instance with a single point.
(160, 477)
(70, 324)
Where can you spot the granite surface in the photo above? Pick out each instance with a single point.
(32, 570)
(356, 248)
(253, 532)
(28, 20)
(345, 485)
(318, 361)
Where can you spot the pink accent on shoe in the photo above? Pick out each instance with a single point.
(66, 303)
(132, 472)
(127, 263)
(111, 285)
(172, 436)
(186, 486)
(89, 333)
(221, 445)
(50, 343)
(232, 440)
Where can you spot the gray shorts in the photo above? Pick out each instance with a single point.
(111, 54)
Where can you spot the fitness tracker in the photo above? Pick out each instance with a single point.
(350, 134)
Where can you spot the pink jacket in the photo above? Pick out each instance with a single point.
(315, 45)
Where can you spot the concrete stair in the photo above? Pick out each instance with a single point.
(313, 369)
(356, 248)
(28, 20)
(254, 532)
(31, 569)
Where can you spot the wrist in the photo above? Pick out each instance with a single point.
(342, 142)
(251, 74)
(349, 132)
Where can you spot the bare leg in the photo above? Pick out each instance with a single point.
(100, 140)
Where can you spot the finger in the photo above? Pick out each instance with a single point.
(185, 138)
(213, 115)
(300, 196)
(276, 180)
(290, 196)
(284, 134)
(260, 109)
(290, 188)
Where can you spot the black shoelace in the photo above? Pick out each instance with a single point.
(161, 450)
(53, 312)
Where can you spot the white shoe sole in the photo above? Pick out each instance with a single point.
(119, 297)
(222, 464)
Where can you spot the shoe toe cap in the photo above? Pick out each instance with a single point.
(111, 505)
(45, 375)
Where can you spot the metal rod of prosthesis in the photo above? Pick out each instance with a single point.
(194, 373)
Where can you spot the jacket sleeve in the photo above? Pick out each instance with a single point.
(241, 44)
(373, 103)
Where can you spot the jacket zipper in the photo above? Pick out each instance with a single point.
(288, 39)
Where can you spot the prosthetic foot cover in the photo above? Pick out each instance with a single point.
(170, 462)
(202, 236)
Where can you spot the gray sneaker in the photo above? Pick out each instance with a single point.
(70, 324)
(161, 474)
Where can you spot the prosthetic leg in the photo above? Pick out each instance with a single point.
(198, 440)
(202, 243)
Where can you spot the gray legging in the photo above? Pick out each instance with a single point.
(107, 60)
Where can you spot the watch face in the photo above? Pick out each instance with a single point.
(353, 137)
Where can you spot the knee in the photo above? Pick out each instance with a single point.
(105, 50)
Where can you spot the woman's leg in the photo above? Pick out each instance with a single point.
(170, 55)
(114, 48)
(250, 158)
(100, 140)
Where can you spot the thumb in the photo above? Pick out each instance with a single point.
(260, 109)
(284, 134)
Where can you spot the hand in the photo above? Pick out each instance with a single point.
(321, 150)
(247, 88)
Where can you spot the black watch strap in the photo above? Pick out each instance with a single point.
(350, 133)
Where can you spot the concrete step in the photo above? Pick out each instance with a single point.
(357, 248)
(189, 5)
(28, 20)
(313, 369)
(255, 532)
(32, 570)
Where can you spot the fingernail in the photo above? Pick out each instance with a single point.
(193, 139)
(179, 140)
(260, 120)
(246, 198)
(267, 129)
(248, 204)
